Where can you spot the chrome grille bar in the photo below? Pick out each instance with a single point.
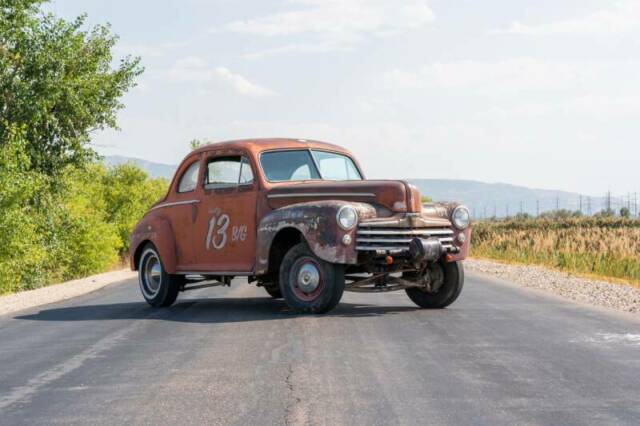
(371, 238)
(428, 232)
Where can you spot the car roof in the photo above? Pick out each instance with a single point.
(264, 144)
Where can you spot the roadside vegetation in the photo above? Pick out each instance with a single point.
(73, 225)
(63, 214)
(603, 245)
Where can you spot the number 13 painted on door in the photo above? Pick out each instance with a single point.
(218, 240)
(217, 232)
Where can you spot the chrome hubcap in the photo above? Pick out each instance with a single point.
(152, 275)
(308, 278)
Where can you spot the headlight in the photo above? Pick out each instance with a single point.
(347, 217)
(461, 217)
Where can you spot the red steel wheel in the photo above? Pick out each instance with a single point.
(308, 283)
(306, 279)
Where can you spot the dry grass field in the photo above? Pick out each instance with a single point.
(604, 246)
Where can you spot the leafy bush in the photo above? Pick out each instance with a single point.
(21, 255)
(128, 193)
(79, 226)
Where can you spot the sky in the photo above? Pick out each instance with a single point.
(541, 93)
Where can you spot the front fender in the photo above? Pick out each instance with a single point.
(158, 231)
(316, 221)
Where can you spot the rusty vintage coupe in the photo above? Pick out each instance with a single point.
(298, 218)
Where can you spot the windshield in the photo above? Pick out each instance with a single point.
(290, 165)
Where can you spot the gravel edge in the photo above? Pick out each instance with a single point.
(58, 292)
(584, 290)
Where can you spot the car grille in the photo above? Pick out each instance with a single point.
(372, 238)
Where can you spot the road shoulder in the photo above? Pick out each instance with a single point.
(593, 292)
(58, 292)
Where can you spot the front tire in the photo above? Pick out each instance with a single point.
(308, 283)
(447, 293)
(273, 290)
(158, 288)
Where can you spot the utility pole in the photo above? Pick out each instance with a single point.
(608, 200)
(485, 212)
(557, 203)
(580, 203)
(589, 206)
(537, 208)
(507, 209)
(521, 207)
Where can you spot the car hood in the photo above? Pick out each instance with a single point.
(395, 195)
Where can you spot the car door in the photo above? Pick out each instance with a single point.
(183, 211)
(228, 213)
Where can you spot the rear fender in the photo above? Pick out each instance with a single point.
(158, 231)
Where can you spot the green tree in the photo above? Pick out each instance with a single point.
(605, 213)
(56, 82)
(625, 212)
(195, 144)
(57, 86)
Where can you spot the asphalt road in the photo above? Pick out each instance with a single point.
(500, 355)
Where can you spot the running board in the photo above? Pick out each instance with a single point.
(205, 285)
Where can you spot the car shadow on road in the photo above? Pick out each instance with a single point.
(214, 310)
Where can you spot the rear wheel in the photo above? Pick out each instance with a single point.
(308, 283)
(157, 286)
(445, 292)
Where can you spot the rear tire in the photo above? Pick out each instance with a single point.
(158, 288)
(446, 294)
(308, 283)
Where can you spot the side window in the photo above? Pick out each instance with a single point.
(225, 172)
(189, 179)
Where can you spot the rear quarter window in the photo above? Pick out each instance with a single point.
(189, 179)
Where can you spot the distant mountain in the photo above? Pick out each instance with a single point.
(501, 199)
(482, 198)
(155, 170)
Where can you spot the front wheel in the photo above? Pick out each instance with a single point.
(308, 283)
(273, 290)
(452, 281)
(158, 288)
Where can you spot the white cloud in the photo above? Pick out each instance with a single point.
(576, 107)
(240, 84)
(333, 25)
(193, 69)
(146, 50)
(493, 78)
(525, 88)
(621, 17)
